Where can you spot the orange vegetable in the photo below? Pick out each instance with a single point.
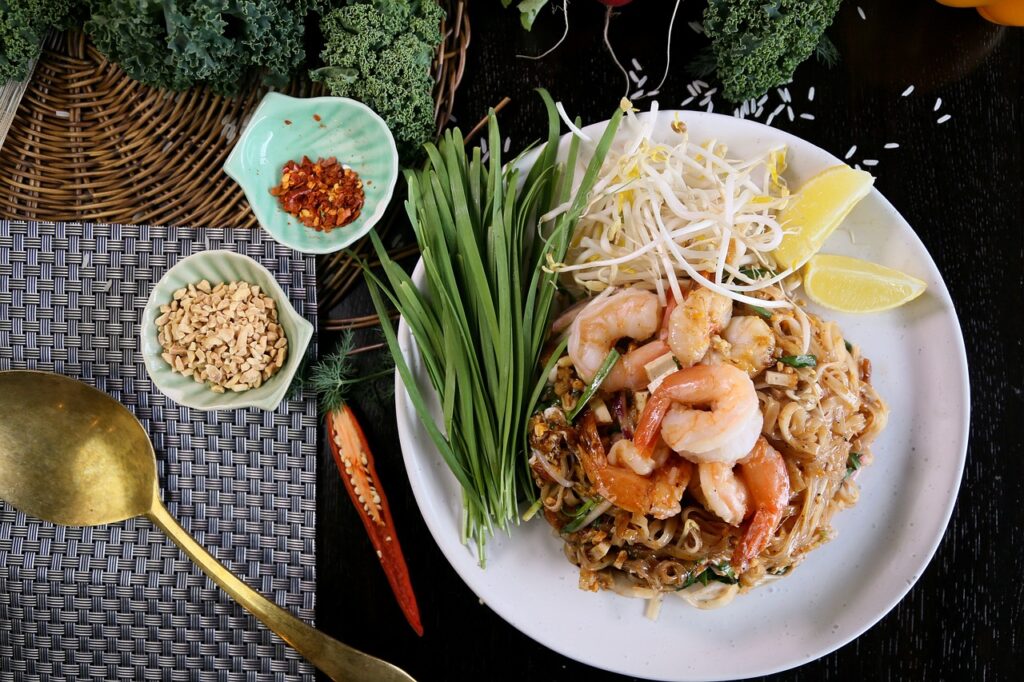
(1005, 12)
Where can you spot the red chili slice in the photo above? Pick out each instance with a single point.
(355, 463)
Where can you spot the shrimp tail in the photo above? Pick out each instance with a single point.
(589, 448)
(666, 316)
(648, 428)
(765, 474)
(604, 477)
(658, 495)
(756, 537)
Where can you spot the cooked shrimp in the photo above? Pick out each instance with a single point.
(723, 433)
(751, 344)
(630, 313)
(625, 452)
(758, 487)
(767, 479)
(692, 323)
(657, 494)
(724, 493)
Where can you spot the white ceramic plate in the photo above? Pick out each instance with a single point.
(842, 588)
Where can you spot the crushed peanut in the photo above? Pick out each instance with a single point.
(226, 335)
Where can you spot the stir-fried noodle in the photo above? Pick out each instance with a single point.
(820, 418)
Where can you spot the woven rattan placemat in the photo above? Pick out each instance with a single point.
(121, 602)
(89, 143)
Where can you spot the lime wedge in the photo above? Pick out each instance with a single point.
(817, 209)
(851, 285)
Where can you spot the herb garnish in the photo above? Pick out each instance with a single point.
(807, 360)
(853, 463)
(581, 515)
(757, 273)
(721, 572)
(602, 374)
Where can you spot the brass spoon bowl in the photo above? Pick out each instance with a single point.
(72, 455)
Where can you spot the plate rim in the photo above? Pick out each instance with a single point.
(407, 419)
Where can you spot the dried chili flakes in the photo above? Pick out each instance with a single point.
(322, 195)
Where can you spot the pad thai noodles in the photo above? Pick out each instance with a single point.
(699, 427)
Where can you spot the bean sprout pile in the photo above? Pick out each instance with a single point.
(663, 213)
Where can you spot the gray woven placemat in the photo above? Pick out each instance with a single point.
(121, 602)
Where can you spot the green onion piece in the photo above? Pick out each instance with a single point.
(602, 373)
(581, 515)
(720, 572)
(799, 360)
(532, 510)
(723, 573)
(849, 346)
(853, 463)
(763, 312)
(694, 578)
(757, 273)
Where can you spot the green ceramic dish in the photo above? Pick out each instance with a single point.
(215, 267)
(283, 129)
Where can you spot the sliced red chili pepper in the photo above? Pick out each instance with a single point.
(355, 463)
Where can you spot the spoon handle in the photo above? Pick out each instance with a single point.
(338, 661)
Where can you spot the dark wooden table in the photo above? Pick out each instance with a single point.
(960, 183)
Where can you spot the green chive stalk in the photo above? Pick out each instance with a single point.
(482, 321)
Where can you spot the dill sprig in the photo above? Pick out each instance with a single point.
(334, 376)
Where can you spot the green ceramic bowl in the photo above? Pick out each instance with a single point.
(215, 267)
(283, 129)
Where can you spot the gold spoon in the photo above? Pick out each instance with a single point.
(72, 455)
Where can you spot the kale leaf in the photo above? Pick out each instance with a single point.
(23, 26)
(758, 44)
(176, 44)
(379, 52)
